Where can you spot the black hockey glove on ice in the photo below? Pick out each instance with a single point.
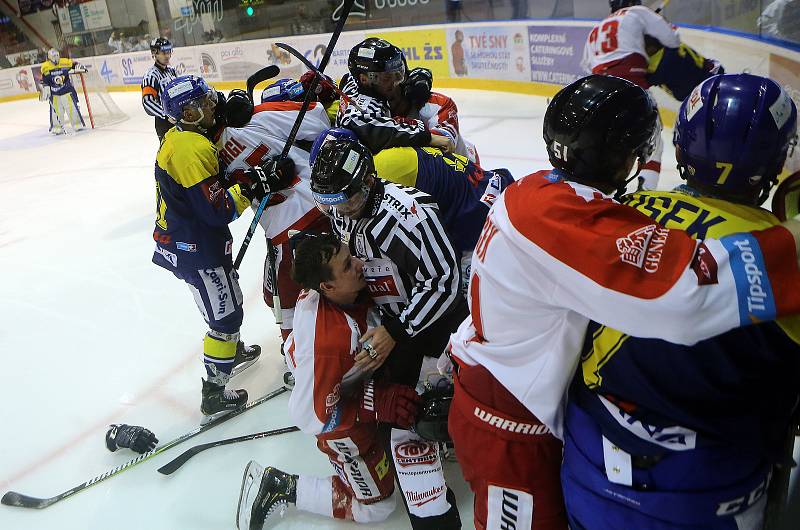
(417, 86)
(131, 437)
(271, 176)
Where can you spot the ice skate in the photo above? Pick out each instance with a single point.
(218, 401)
(263, 492)
(246, 356)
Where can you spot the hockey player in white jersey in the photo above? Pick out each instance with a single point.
(264, 134)
(617, 46)
(540, 274)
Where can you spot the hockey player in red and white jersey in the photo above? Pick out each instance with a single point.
(540, 274)
(264, 134)
(334, 400)
(618, 46)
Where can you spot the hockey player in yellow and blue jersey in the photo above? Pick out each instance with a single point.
(58, 90)
(193, 241)
(664, 436)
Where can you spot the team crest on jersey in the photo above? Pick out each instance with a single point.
(643, 248)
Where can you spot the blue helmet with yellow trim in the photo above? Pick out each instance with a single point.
(183, 91)
(732, 136)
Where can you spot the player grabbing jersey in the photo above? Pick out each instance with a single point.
(335, 401)
(260, 133)
(58, 90)
(381, 90)
(697, 428)
(558, 251)
(192, 237)
(156, 77)
(413, 274)
(618, 46)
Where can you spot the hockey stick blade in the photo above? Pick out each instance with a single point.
(173, 465)
(13, 498)
(348, 4)
(268, 72)
(319, 74)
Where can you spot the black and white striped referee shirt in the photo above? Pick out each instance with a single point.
(411, 266)
(152, 81)
(375, 126)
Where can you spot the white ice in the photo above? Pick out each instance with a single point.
(93, 333)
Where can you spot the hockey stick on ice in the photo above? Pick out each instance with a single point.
(348, 4)
(272, 258)
(175, 464)
(321, 79)
(12, 498)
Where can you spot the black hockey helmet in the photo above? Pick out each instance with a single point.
(594, 126)
(616, 5)
(238, 108)
(339, 174)
(375, 55)
(160, 44)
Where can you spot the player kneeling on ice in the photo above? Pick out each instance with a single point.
(194, 207)
(699, 428)
(333, 399)
(558, 251)
(58, 90)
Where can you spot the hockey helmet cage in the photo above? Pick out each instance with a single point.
(183, 91)
(53, 55)
(340, 171)
(160, 44)
(335, 133)
(616, 5)
(594, 126)
(375, 55)
(283, 90)
(732, 136)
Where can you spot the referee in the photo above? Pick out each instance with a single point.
(158, 75)
(413, 274)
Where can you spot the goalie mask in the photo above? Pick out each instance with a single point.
(53, 56)
(732, 136)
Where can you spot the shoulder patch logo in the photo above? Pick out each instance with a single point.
(642, 248)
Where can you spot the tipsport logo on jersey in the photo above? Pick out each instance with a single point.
(756, 299)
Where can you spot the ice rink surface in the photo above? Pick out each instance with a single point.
(93, 333)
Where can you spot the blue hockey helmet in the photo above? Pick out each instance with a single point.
(282, 90)
(335, 133)
(732, 135)
(183, 91)
(616, 5)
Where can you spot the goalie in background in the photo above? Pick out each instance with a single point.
(57, 88)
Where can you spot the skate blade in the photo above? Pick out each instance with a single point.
(208, 418)
(251, 482)
(241, 367)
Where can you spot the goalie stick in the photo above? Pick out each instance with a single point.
(173, 465)
(348, 4)
(12, 498)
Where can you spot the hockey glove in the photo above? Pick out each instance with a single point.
(273, 175)
(131, 437)
(324, 90)
(389, 403)
(417, 86)
(238, 108)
